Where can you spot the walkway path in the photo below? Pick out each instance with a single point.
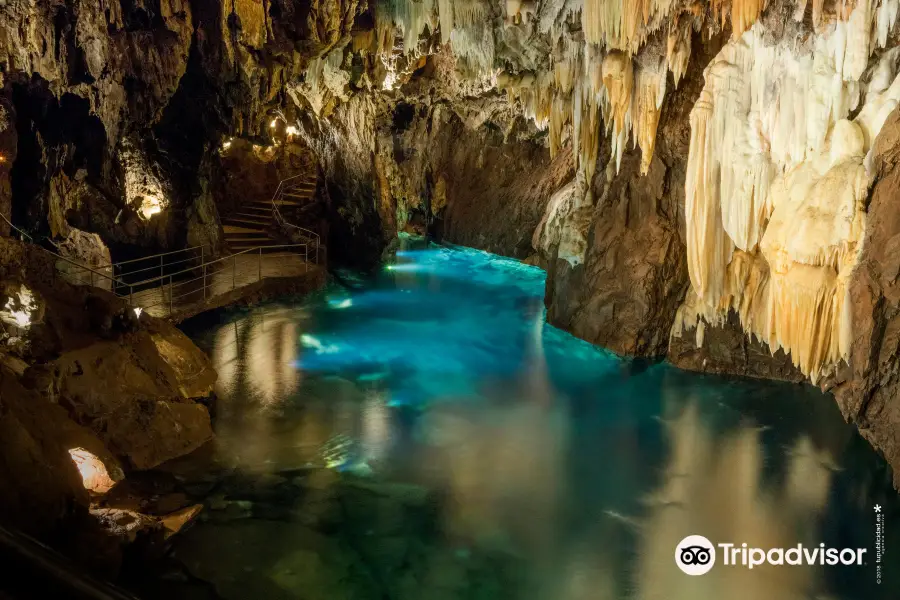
(182, 283)
(237, 277)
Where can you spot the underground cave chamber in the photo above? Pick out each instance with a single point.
(549, 299)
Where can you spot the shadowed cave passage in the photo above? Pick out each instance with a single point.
(423, 432)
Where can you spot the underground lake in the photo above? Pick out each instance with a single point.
(423, 433)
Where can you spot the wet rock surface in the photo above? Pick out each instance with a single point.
(867, 391)
(727, 350)
(623, 286)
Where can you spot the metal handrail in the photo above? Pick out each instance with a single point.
(177, 262)
(8, 222)
(84, 266)
(161, 260)
(125, 262)
(279, 218)
(206, 268)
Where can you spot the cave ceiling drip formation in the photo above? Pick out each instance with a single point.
(777, 174)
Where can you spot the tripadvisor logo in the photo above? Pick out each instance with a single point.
(696, 555)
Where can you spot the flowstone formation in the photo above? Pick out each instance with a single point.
(722, 163)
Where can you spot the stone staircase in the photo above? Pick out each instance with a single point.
(253, 224)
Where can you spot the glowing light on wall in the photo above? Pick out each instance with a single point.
(273, 123)
(150, 206)
(18, 311)
(94, 475)
(137, 311)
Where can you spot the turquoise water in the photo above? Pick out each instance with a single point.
(424, 434)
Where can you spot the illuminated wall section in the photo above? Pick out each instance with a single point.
(777, 184)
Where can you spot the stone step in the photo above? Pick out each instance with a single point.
(254, 210)
(292, 201)
(300, 189)
(248, 240)
(250, 222)
(271, 247)
(298, 195)
(242, 230)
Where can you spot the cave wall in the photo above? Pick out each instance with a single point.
(622, 287)
(659, 235)
(485, 187)
(103, 127)
(595, 139)
(867, 388)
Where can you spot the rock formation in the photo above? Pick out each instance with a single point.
(707, 181)
(89, 391)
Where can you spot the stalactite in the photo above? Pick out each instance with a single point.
(586, 121)
(650, 89)
(708, 246)
(445, 18)
(623, 24)
(474, 45)
(744, 14)
(410, 16)
(467, 13)
(678, 51)
(777, 182)
(618, 82)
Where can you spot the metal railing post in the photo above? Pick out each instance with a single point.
(161, 274)
(131, 295)
(204, 281)
(202, 254)
(171, 294)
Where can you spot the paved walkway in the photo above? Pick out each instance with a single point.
(233, 278)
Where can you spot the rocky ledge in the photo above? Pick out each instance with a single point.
(90, 392)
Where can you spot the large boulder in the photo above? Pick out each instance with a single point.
(132, 380)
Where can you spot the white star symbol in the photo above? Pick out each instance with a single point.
(878, 508)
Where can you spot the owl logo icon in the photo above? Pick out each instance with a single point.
(695, 555)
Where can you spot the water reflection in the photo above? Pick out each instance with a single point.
(558, 471)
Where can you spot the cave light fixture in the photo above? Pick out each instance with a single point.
(137, 311)
(277, 115)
